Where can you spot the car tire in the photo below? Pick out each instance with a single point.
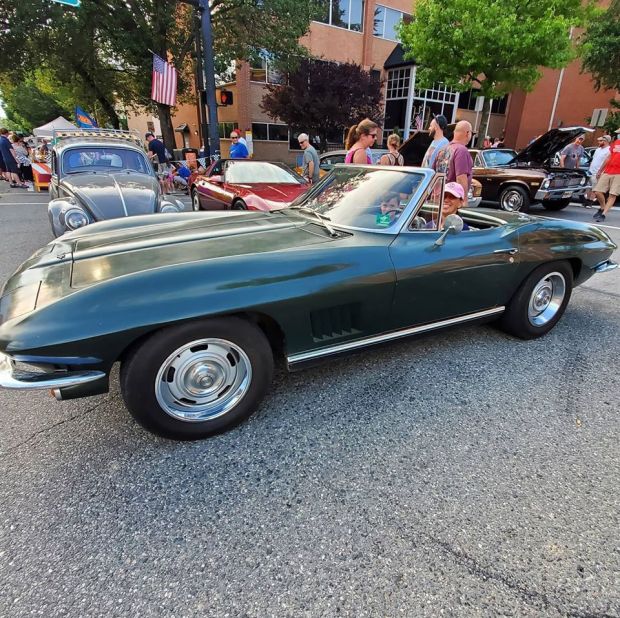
(195, 201)
(556, 204)
(195, 380)
(239, 205)
(540, 301)
(514, 199)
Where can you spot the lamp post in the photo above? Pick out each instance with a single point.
(209, 66)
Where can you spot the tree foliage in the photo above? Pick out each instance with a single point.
(324, 98)
(102, 50)
(490, 45)
(600, 47)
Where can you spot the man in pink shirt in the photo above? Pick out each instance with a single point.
(454, 159)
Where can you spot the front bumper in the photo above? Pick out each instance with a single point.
(562, 194)
(12, 378)
(605, 266)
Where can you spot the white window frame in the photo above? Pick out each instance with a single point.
(387, 8)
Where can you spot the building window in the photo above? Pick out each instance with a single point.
(264, 131)
(347, 14)
(398, 84)
(386, 22)
(262, 71)
(224, 129)
(439, 99)
(467, 100)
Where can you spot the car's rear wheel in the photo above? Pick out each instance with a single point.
(195, 380)
(239, 205)
(514, 199)
(539, 302)
(555, 204)
(195, 201)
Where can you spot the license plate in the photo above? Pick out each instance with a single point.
(567, 194)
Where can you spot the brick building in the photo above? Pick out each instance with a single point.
(363, 32)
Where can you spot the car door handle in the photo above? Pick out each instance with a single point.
(510, 251)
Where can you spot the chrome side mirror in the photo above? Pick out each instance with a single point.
(453, 224)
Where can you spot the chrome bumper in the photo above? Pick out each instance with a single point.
(605, 266)
(559, 194)
(10, 377)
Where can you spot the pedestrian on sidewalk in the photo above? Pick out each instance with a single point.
(571, 154)
(599, 155)
(311, 158)
(237, 149)
(393, 157)
(23, 159)
(10, 161)
(608, 180)
(359, 138)
(436, 132)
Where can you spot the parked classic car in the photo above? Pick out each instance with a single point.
(515, 180)
(195, 305)
(240, 184)
(99, 175)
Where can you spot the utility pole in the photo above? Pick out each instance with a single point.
(209, 66)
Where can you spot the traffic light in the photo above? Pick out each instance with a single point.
(226, 97)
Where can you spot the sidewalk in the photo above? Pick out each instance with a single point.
(5, 189)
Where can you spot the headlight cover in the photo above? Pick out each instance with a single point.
(75, 218)
(545, 184)
(583, 181)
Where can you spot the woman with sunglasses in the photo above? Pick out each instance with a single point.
(360, 137)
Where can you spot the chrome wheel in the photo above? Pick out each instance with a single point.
(512, 200)
(195, 201)
(203, 380)
(546, 299)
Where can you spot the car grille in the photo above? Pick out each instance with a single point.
(564, 181)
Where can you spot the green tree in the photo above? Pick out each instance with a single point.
(600, 47)
(490, 45)
(324, 98)
(102, 50)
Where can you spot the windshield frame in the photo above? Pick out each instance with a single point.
(66, 171)
(296, 179)
(408, 211)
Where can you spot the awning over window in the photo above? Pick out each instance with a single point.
(397, 59)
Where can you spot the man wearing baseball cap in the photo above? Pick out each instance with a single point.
(435, 130)
(599, 155)
(453, 199)
(608, 180)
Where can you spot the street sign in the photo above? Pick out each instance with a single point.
(69, 2)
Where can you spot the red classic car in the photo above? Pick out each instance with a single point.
(246, 185)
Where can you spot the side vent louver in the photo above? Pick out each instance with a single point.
(334, 322)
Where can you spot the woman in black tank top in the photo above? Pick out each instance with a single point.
(393, 157)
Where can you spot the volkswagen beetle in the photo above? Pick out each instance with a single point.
(195, 305)
(100, 175)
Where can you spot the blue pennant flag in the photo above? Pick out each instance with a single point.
(83, 119)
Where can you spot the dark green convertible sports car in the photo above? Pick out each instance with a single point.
(195, 305)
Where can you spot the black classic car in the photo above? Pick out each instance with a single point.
(516, 180)
(99, 175)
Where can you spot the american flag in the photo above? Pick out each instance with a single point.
(164, 82)
(419, 123)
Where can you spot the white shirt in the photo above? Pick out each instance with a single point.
(600, 154)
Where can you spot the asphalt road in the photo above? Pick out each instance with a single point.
(465, 474)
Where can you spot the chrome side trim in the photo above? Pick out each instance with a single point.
(120, 193)
(606, 266)
(368, 341)
(27, 380)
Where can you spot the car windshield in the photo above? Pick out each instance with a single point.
(498, 157)
(361, 197)
(87, 159)
(249, 172)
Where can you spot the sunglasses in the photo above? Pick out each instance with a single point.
(234, 138)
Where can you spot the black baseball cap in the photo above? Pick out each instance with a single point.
(149, 134)
(441, 121)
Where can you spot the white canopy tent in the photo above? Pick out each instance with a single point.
(47, 129)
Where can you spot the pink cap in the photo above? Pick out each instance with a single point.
(455, 189)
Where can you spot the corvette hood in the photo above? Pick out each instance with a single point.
(149, 242)
(543, 148)
(108, 196)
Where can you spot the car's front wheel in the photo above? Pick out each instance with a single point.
(514, 199)
(194, 380)
(555, 204)
(195, 200)
(540, 301)
(239, 205)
